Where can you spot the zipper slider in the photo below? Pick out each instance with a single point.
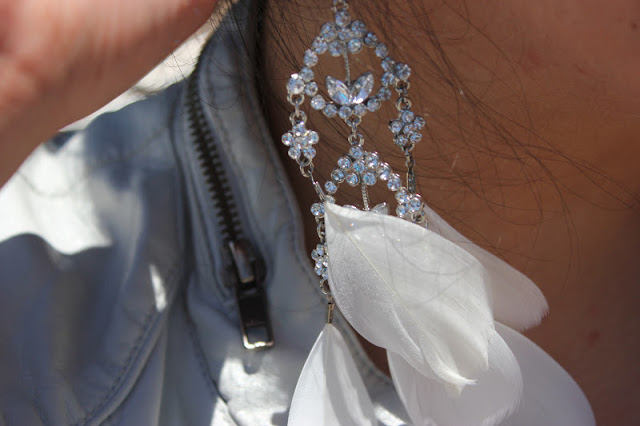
(250, 298)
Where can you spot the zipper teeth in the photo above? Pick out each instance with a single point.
(215, 177)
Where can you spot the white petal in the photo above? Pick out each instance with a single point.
(410, 291)
(495, 395)
(551, 397)
(516, 300)
(330, 390)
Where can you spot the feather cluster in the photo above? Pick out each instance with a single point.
(444, 310)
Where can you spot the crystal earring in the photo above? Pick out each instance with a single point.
(351, 100)
(416, 293)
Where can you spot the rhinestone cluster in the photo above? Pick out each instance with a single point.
(346, 100)
(300, 141)
(406, 129)
(319, 255)
(351, 99)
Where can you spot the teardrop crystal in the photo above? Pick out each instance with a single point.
(381, 208)
(361, 88)
(338, 91)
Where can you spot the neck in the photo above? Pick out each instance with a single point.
(525, 156)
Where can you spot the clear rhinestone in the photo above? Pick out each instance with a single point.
(311, 89)
(317, 209)
(401, 140)
(338, 91)
(301, 142)
(373, 105)
(306, 74)
(384, 171)
(319, 45)
(318, 102)
(408, 129)
(395, 126)
(371, 160)
(309, 152)
(345, 34)
(415, 204)
(344, 163)
(402, 210)
(361, 88)
(320, 268)
(359, 110)
(418, 123)
(381, 208)
(357, 93)
(403, 71)
(388, 79)
(345, 112)
(310, 58)
(369, 179)
(295, 86)
(353, 179)
(320, 249)
(315, 255)
(356, 152)
(329, 31)
(342, 18)
(415, 137)
(337, 175)
(336, 48)
(384, 93)
(402, 196)
(330, 110)
(287, 138)
(331, 187)
(388, 64)
(358, 28)
(370, 40)
(299, 129)
(358, 166)
(394, 183)
(294, 152)
(407, 116)
(381, 50)
(354, 45)
(313, 137)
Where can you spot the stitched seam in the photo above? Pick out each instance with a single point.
(134, 353)
(199, 352)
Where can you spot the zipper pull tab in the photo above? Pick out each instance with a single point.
(250, 298)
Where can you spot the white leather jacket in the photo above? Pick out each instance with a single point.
(134, 253)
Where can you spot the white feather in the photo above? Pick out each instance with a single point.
(330, 390)
(516, 300)
(410, 291)
(429, 297)
(551, 397)
(495, 395)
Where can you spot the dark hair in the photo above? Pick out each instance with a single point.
(465, 126)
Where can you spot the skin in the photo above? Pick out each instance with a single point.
(530, 148)
(60, 60)
(531, 152)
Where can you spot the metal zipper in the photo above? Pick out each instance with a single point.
(247, 286)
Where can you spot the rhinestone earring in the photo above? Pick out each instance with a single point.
(432, 299)
(351, 99)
